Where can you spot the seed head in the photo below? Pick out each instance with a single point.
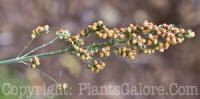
(126, 42)
(40, 29)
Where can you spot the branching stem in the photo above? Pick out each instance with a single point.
(29, 43)
(25, 58)
(40, 47)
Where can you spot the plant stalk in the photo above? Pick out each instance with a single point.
(25, 58)
(15, 60)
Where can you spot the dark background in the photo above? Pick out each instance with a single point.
(178, 64)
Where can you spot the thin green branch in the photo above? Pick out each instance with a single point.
(46, 75)
(29, 43)
(41, 72)
(50, 42)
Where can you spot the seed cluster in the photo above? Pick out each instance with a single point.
(35, 61)
(135, 39)
(105, 51)
(95, 66)
(75, 43)
(40, 29)
(126, 52)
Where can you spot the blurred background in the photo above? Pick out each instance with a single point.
(178, 64)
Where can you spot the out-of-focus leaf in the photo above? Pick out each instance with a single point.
(70, 63)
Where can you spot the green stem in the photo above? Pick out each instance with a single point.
(15, 60)
(46, 75)
(29, 43)
(40, 47)
(25, 58)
